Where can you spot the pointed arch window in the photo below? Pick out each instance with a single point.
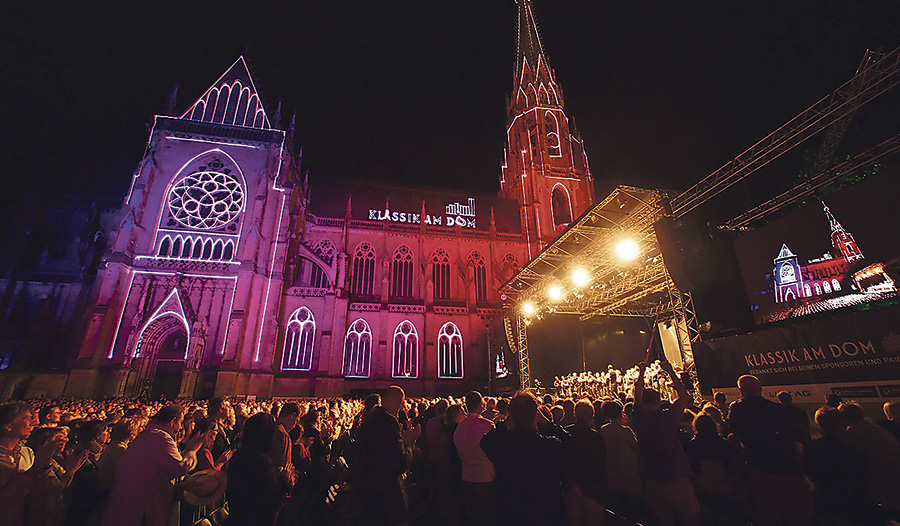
(358, 350)
(826, 286)
(561, 206)
(402, 273)
(165, 247)
(298, 341)
(551, 128)
(836, 285)
(324, 248)
(363, 277)
(509, 265)
(440, 266)
(406, 351)
(450, 351)
(480, 276)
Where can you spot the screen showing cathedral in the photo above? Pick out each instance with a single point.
(835, 251)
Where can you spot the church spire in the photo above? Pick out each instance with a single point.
(529, 49)
(841, 240)
(545, 167)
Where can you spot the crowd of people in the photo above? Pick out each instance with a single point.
(389, 460)
(612, 383)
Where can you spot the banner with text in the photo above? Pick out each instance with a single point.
(853, 347)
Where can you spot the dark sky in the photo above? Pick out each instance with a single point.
(413, 92)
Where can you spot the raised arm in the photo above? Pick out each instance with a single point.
(639, 384)
(684, 398)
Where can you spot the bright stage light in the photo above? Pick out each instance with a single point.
(580, 277)
(528, 308)
(627, 250)
(554, 292)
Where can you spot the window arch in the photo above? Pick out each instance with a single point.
(555, 97)
(551, 128)
(324, 248)
(509, 265)
(561, 206)
(545, 96)
(480, 273)
(836, 285)
(450, 351)
(176, 247)
(440, 266)
(229, 251)
(826, 286)
(406, 351)
(363, 278)
(402, 273)
(165, 247)
(358, 350)
(818, 289)
(807, 291)
(298, 340)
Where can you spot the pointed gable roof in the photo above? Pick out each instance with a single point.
(232, 99)
(785, 253)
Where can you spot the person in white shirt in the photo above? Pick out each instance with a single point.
(478, 490)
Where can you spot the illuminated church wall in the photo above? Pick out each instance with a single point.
(226, 273)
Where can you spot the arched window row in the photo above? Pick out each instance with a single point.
(195, 247)
(357, 359)
(298, 341)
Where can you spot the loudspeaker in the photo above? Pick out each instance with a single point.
(705, 265)
(673, 243)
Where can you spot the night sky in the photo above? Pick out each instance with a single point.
(413, 92)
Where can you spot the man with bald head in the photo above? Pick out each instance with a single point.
(771, 437)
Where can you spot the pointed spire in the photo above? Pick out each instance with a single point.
(232, 99)
(832, 221)
(528, 44)
(292, 130)
(349, 212)
(172, 101)
(276, 120)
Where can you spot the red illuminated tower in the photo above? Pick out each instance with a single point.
(841, 240)
(545, 167)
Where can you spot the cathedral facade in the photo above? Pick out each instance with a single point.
(226, 274)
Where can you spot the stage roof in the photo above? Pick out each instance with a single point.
(588, 269)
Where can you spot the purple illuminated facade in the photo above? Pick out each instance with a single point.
(226, 274)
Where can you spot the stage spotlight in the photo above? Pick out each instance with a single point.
(580, 277)
(627, 250)
(554, 292)
(528, 308)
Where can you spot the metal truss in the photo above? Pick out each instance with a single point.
(867, 158)
(881, 74)
(522, 344)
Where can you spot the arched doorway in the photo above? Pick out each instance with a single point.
(159, 358)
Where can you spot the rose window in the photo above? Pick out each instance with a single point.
(206, 200)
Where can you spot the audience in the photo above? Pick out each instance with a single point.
(390, 461)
